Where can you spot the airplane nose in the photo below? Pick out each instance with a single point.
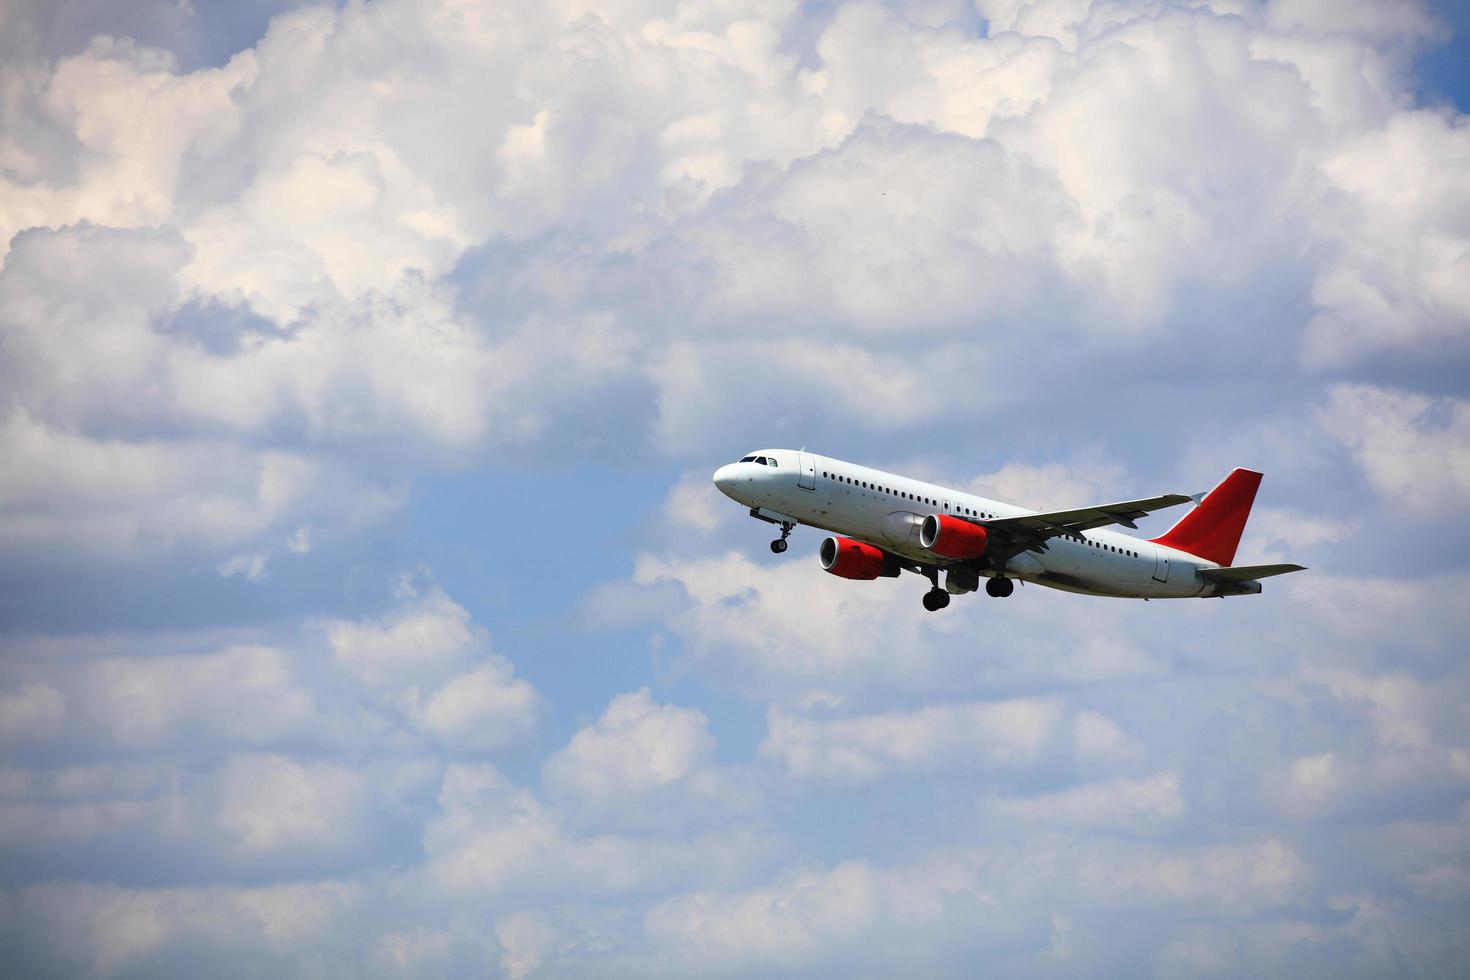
(725, 478)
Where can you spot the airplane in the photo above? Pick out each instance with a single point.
(885, 524)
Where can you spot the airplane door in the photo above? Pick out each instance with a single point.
(806, 472)
(1161, 566)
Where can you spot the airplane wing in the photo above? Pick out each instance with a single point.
(1248, 573)
(1030, 532)
(1034, 529)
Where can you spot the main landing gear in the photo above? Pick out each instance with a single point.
(999, 587)
(779, 545)
(936, 598)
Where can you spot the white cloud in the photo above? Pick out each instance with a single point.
(31, 711)
(908, 173)
(524, 940)
(647, 765)
(426, 661)
(246, 309)
(241, 695)
(781, 629)
(270, 803)
(694, 504)
(1053, 486)
(491, 838)
(82, 500)
(1414, 451)
(426, 637)
(243, 817)
(1099, 742)
(110, 930)
(985, 736)
(971, 900)
(1399, 279)
(634, 748)
(1123, 804)
(781, 926)
(481, 710)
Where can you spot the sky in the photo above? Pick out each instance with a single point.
(366, 608)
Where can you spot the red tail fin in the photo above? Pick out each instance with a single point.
(1212, 530)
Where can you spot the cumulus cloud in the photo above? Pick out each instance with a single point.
(1399, 278)
(1413, 450)
(31, 710)
(426, 637)
(966, 900)
(286, 271)
(740, 620)
(427, 661)
(246, 694)
(491, 838)
(1052, 486)
(261, 309)
(1000, 735)
(482, 709)
(644, 764)
(524, 939)
(1122, 804)
(636, 745)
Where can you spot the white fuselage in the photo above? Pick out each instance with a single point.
(886, 510)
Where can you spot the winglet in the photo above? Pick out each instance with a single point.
(1212, 530)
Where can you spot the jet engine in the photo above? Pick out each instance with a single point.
(856, 559)
(952, 537)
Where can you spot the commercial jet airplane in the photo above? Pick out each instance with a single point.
(886, 524)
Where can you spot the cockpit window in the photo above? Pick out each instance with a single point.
(747, 459)
(770, 461)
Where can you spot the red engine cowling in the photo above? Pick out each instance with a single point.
(952, 537)
(854, 559)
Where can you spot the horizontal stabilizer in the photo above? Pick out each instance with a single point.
(1247, 573)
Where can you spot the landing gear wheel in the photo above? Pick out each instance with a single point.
(936, 599)
(778, 546)
(999, 587)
